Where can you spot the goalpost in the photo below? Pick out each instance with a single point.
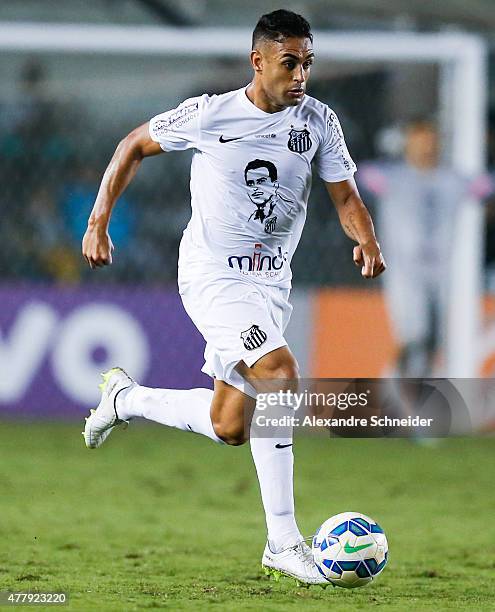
(463, 83)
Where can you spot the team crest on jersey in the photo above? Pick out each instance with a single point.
(270, 225)
(253, 337)
(299, 140)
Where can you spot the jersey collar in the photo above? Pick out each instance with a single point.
(254, 110)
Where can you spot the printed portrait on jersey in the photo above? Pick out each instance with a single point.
(261, 178)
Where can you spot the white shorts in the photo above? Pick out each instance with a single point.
(241, 320)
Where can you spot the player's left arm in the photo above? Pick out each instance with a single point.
(357, 224)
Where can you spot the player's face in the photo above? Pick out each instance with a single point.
(284, 69)
(422, 146)
(261, 186)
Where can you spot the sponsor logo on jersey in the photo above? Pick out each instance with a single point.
(177, 118)
(265, 136)
(253, 337)
(334, 126)
(257, 262)
(299, 140)
(223, 139)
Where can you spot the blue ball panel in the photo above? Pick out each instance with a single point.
(339, 530)
(336, 569)
(320, 570)
(348, 566)
(356, 529)
(372, 565)
(362, 571)
(362, 522)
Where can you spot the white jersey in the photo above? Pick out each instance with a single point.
(251, 177)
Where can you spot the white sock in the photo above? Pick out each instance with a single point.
(275, 469)
(187, 410)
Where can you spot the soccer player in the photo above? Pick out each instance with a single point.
(234, 266)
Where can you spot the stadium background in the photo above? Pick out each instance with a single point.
(61, 116)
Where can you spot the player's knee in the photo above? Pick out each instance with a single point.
(285, 372)
(234, 434)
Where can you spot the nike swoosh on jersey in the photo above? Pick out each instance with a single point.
(222, 139)
(282, 445)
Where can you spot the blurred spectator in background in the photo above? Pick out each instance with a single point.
(55, 258)
(34, 143)
(35, 152)
(77, 198)
(418, 202)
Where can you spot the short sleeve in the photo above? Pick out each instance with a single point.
(178, 129)
(333, 161)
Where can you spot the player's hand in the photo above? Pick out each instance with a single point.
(97, 246)
(369, 258)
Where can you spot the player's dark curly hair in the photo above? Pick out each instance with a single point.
(280, 25)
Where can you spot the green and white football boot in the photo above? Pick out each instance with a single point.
(101, 421)
(294, 562)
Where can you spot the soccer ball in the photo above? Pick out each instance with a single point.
(350, 549)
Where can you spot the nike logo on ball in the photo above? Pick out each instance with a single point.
(282, 445)
(352, 549)
(222, 139)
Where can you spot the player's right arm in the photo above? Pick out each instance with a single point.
(97, 245)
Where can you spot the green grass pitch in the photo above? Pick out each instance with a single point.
(163, 519)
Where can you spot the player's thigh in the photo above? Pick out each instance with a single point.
(240, 321)
(278, 368)
(231, 413)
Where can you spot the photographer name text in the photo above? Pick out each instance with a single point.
(313, 421)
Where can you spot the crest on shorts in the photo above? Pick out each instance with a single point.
(299, 140)
(253, 337)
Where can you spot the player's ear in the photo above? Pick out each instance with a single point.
(256, 60)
